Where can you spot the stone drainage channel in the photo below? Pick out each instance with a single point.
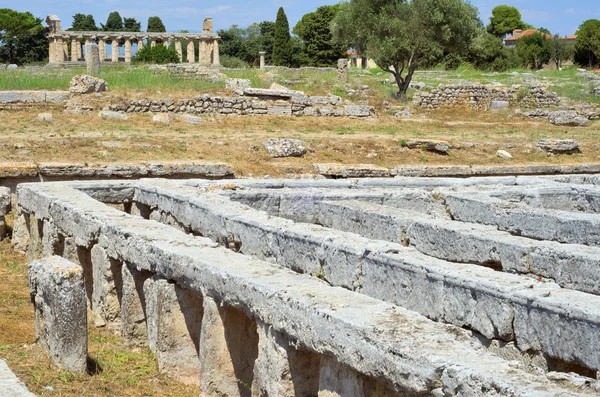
(376, 287)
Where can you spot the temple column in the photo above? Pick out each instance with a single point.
(140, 44)
(52, 50)
(59, 51)
(216, 60)
(114, 47)
(204, 53)
(127, 50)
(166, 43)
(75, 44)
(102, 49)
(79, 49)
(66, 48)
(191, 51)
(88, 41)
(261, 54)
(179, 49)
(152, 43)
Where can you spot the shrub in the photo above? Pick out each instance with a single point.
(159, 54)
(233, 62)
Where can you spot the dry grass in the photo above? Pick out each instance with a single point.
(236, 140)
(115, 369)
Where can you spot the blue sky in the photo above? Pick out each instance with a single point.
(559, 16)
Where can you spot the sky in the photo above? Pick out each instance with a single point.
(560, 16)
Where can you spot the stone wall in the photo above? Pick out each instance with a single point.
(4, 209)
(252, 102)
(479, 97)
(246, 288)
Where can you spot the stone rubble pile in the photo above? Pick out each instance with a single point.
(84, 84)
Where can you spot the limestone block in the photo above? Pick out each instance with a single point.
(179, 321)
(431, 145)
(34, 249)
(358, 111)
(163, 118)
(107, 286)
(283, 110)
(84, 84)
(21, 236)
(45, 117)
(285, 147)
(189, 119)
(567, 118)
(133, 305)
(561, 146)
(51, 241)
(58, 295)
(110, 115)
(228, 350)
(11, 385)
(282, 370)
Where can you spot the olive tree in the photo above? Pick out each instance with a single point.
(400, 35)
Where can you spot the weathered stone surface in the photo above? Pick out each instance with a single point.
(503, 154)
(237, 84)
(285, 147)
(84, 84)
(107, 286)
(109, 115)
(568, 118)
(58, 295)
(163, 118)
(499, 105)
(33, 96)
(189, 119)
(92, 59)
(262, 92)
(560, 146)
(45, 117)
(10, 385)
(358, 111)
(351, 171)
(431, 145)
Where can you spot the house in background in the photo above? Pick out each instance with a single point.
(358, 61)
(517, 34)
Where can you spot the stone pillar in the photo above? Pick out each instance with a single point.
(166, 43)
(179, 321)
(262, 59)
(21, 236)
(216, 60)
(34, 248)
(114, 47)
(207, 25)
(280, 370)
(140, 44)
(152, 43)
(102, 49)
(342, 72)
(179, 49)
(93, 59)
(75, 44)
(128, 50)
(191, 51)
(79, 48)
(66, 47)
(59, 50)
(133, 305)
(52, 50)
(203, 53)
(51, 241)
(58, 297)
(107, 287)
(228, 350)
(88, 42)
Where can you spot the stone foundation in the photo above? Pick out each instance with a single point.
(277, 287)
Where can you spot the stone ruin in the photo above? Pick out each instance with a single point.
(480, 97)
(377, 287)
(60, 52)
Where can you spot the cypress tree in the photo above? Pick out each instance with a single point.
(114, 23)
(155, 24)
(282, 43)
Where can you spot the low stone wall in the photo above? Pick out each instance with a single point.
(11, 99)
(479, 97)
(252, 102)
(235, 311)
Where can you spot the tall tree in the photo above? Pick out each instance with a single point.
(535, 50)
(14, 24)
(114, 23)
(131, 25)
(315, 32)
(587, 43)
(401, 35)
(83, 23)
(243, 44)
(561, 51)
(267, 37)
(155, 24)
(282, 41)
(504, 20)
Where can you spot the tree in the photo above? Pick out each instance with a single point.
(241, 44)
(544, 31)
(131, 25)
(114, 23)
(487, 52)
(535, 50)
(401, 35)
(504, 20)
(267, 38)
(315, 32)
(14, 24)
(561, 51)
(282, 41)
(83, 23)
(587, 43)
(155, 24)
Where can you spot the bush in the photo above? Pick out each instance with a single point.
(159, 54)
(233, 62)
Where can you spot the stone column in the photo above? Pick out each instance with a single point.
(114, 47)
(204, 53)
(75, 44)
(191, 51)
(79, 48)
(179, 49)
(92, 59)
(152, 43)
(102, 49)
(52, 50)
(66, 47)
(59, 51)
(342, 71)
(262, 59)
(88, 41)
(140, 44)
(216, 60)
(133, 305)
(166, 43)
(127, 50)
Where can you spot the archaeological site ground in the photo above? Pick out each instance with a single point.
(194, 230)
